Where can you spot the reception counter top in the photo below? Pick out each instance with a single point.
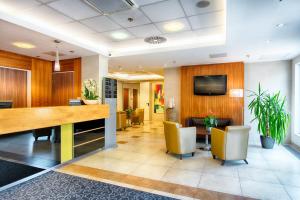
(23, 119)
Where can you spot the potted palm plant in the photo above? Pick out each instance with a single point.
(89, 91)
(270, 113)
(210, 121)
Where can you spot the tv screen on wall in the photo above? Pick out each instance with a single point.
(210, 85)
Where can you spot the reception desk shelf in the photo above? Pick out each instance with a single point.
(88, 136)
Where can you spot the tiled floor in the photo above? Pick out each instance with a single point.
(271, 174)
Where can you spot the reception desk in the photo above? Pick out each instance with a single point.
(74, 122)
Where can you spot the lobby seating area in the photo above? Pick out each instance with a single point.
(141, 162)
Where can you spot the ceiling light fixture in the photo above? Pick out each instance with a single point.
(155, 40)
(23, 45)
(174, 26)
(203, 4)
(56, 63)
(268, 41)
(119, 35)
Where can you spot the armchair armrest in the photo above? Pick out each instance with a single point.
(218, 143)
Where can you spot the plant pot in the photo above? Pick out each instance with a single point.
(267, 142)
(90, 102)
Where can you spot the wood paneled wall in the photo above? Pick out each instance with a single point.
(41, 83)
(220, 106)
(62, 88)
(13, 86)
(41, 75)
(9, 59)
(75, 66)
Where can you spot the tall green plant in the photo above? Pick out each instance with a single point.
(269, 111)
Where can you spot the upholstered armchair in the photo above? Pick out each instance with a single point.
(231, 144)
(179, 140)
(121, 120)
(137, 116)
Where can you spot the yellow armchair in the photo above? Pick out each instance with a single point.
(231, 144)
(179, 140)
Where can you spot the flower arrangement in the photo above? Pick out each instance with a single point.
(210, 121)
(89, 89)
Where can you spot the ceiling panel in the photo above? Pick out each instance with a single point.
(122, 18)
(144, 31)
(163, 11)
(144, 2)
(19, 4)
(109, 35)
(207, 20)
(101, 24)
(210, 31)
(76, 28)
(44, 13)
(190, 7)
(74, 8)
(182, 21)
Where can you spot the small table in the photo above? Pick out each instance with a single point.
(206, 146)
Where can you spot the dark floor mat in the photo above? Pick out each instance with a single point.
(54, 185)
(11, 172)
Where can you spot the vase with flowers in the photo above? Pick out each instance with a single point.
(89, 92)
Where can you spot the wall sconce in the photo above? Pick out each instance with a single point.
(237, 93)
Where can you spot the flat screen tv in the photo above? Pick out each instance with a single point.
(210, 85)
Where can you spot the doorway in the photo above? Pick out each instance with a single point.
(135, 98)
(125, 98)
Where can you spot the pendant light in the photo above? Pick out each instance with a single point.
(56, 63)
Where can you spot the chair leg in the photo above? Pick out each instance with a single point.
(193, 153)
(246, 161)
(214, 157)
(223, 162)
(167, 151)
(180, 156)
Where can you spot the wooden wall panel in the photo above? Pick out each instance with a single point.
(62, 88)
(41, 83)
(14, 60)
(220, 106)
(13, 86)
(75, 66)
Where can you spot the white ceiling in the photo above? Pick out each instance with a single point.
(73, 20)
(249, 25)
(12, 33)
(252, 36)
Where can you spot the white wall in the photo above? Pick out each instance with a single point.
(145, 98)
(295, 139)
(273, 76)
(172, 87)
(94, 67)
(119, 96)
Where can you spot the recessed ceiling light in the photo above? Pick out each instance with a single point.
(203, 4)
(119, 35)
(280, 25)
(23, 45)
(174, 26)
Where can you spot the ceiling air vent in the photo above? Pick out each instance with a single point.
(218, 55)
(155, 40)
(108, 7)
